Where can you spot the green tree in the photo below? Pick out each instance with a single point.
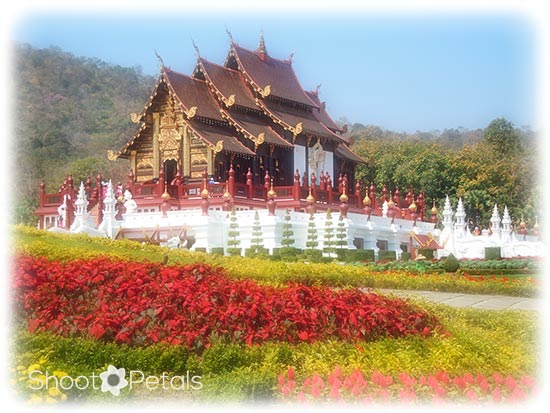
(502, 136)
(329, 234)
(287, 234)
(341, 233)
(312, 239)
(256, 241)
(233, 241)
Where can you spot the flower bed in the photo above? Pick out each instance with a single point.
(144, 303)
(377, 387)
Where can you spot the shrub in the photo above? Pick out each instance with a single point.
(386, 255)
(217, 250)
(426, 252)
(405, 256)
(360, 255)
(492, 253)
(451, 264)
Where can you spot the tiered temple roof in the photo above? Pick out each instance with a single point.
(252, 100)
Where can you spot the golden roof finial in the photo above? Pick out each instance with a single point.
(261, 45)
(310, 198)
(434, 209)
(366, 200)
(271, 194)
(344, 197)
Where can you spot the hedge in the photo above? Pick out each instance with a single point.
(492, 253)
(386, 255)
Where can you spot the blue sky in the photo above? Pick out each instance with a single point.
(404, 72)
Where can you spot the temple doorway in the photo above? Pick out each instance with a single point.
(170, 170)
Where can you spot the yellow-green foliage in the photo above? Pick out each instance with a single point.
(69, 247)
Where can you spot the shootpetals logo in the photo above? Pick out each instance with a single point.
(113, 380)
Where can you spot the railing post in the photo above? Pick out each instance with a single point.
(249, 183)
(329, 189)
(267, 180)
(296, 187)
(160, 183)
(231, 182)
(313, 185)
(131, 179)
(358, 194)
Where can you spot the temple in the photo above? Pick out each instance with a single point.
(245, 137)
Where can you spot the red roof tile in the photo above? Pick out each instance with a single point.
(278, 74)
(213, 134)
(347, 153)
(321, 114)
(255, 126)
(229, 82)
(293, 116)
(194, 93)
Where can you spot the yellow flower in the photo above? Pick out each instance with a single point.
(35, 398)
(63, 396)
(54, 391)
(32, 367)
(50, 400)
(20, 367)
(59, 373)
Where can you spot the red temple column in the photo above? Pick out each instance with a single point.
(70, 202)
(42, 196)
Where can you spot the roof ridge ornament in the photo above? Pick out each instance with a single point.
(161, 62)
(316, 91)
(229, 34)
(197, 51)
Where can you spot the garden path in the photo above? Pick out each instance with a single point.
(480, 301)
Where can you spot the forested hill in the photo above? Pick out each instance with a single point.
(67, 108)
(68, 111)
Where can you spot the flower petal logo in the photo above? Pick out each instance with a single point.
(113, 380)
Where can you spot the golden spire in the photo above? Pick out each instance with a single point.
(366, 200)
(412, 207)
(310, 198)
(391, 204)
(434, 209)
(271, 194)
(165, 196)
(344, 197)
(261, 45)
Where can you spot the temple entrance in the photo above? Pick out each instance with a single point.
(170, 170)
